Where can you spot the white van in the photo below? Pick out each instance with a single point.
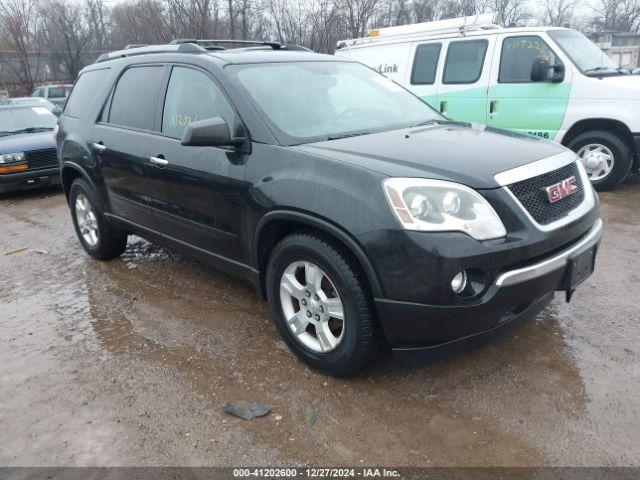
(546, 82)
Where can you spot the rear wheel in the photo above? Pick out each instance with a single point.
(98, 237)
(320, 304)
(605, 156)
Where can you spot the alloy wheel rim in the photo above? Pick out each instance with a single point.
(312, 307)
(87, 221)
(597, 159)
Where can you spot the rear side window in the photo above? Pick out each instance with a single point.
(464, 61)
(518, 57)
(135, 97)
(192, 96)
(84, 92)
(425, 64)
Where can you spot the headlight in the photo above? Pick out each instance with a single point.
(12, 157)
(439, 206)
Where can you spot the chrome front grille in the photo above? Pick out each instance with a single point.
(532, 194)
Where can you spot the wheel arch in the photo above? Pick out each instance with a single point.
(71, 171)
(275, 225)
(608, 124)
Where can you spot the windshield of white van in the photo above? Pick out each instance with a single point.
(311, 101)
(584, 53)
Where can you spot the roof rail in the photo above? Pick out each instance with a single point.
(188, 45)
(136, 50)
(453, 25)
(212, 41)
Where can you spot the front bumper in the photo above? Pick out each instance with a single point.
(14, 182)
(431, 332)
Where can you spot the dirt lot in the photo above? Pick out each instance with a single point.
(130, 363)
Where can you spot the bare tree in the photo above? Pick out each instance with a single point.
(140, 22)
(622, 15)
(425, 10)
(22, 23)
(66, 34)
(326, 26)
(457, 8)
(557, 13)
(98, 18)
(289, 21)
(631, 15)
(357, 15)
(514, 12)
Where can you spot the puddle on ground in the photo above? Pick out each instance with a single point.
(506, 404)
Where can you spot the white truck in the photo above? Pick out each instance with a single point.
(547, 82)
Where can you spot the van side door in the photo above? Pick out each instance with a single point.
(515, 101)
(425, 64)
(462, 94)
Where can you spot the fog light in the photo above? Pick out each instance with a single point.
(459, 282)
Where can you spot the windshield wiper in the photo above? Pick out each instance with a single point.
(605, 69)
(346, 135)
(29, 130)
(441, 121)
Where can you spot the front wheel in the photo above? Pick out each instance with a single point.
(321, 304)
(605, 156)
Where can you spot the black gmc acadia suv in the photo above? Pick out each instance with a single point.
(359, 212)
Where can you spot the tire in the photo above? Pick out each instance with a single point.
(110, 242)
(357, 339)
(622, 156)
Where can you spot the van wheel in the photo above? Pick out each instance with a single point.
(99, 238)
(605, 156)
(321, 305)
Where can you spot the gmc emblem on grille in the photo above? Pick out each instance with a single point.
(560, 190)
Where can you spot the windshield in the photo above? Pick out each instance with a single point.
(15, 120)
(59, 92)
(325, 100)
(583, 52)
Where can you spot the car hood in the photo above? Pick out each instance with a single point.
(24, 142)
(469, 155)
(608, 87)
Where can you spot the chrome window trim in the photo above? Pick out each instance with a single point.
(535, 169)
(541, 167)
(550, 264)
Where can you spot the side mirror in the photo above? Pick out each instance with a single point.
(210, 132)
(541, 71)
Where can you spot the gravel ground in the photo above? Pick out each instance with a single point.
(130, 363)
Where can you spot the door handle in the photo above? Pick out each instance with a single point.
(492, 106)
(159, 160)
(99, 147)
(443, 107)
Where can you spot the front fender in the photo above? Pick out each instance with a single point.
(324, 226)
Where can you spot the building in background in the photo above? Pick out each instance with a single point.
(622, 47)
